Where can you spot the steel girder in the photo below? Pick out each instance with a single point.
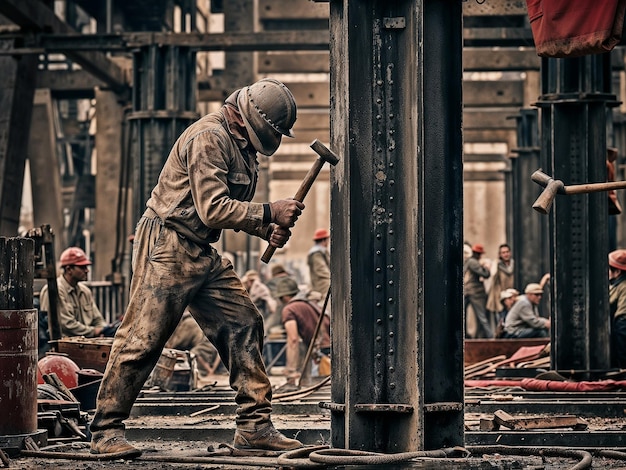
(396, 218)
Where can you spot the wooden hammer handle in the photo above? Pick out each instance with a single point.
(304, 188)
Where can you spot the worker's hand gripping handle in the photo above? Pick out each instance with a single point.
(325, 155)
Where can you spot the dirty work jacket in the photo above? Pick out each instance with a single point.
(207, 183)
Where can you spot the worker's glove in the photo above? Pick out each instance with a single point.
(285, 212)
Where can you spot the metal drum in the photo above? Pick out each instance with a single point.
(18, 371)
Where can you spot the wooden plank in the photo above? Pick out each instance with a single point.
(307, 94)
(484, 158)
(483, 176)
(491, 135)
(293, 62)
(298, 175)
(490, 118)
(293, 10)
(32, 14)
(68, 84)
(488, 93)
(505, 59)
(108, 194)
(493, 93)
(309, 119)
(46, 184)
(495, 8)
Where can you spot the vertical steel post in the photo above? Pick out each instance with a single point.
(575, 95)
(396, 218)
(164, 102)
(529, 240)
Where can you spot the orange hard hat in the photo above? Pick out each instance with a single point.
(321, 234)
(74, 256)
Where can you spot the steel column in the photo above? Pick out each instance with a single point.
(575, 95)
(530, 237)
(396, 218)
(164, 103)
(16, 105)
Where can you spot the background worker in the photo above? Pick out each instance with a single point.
(300, 317)
(206, 185)
(617, 306)
(474, 272)
(502, 278)
(508, 298)
(523, 320)
(78, 313)
(318, 260)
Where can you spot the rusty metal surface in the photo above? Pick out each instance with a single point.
(396, 122)
(574, 106)
(18, 371)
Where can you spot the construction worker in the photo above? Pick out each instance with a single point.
(318, 259)
(206, 185)
(78, 313)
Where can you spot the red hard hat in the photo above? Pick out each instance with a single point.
(74, 255)
(617, 259)
(321, 234)
(65, 369)
(478, 248)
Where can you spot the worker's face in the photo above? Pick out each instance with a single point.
(614, 273)
(78, 273)
(534, 298)
(505, 253)
(510, 301)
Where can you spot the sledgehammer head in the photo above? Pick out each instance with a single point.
(552, 187)
(324, 152)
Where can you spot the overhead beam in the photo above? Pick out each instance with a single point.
(66, 43)
(35, 16)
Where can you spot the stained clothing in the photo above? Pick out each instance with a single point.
(205, 186)
(476, 296)
(617, 306)
(318, 259)
(501, 280)
(78, 313)
(306, 314)
(523, 321)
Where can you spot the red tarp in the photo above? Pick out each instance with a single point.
(571, 28)
(537, 385)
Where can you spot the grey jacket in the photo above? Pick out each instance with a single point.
(523, 314)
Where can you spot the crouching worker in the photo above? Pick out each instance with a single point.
(206, 185)
(300, 318)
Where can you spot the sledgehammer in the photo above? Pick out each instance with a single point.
(554, 187)
(325, 155)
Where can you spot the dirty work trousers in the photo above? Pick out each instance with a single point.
(170, 274)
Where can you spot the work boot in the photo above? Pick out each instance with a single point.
(266, 438)
(117, 445)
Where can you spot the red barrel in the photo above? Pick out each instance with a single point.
(18, 371)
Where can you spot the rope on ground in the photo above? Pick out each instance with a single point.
(360, 457)
(584, 457)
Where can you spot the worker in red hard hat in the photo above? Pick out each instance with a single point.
(78, 313)
(318, 259)
(206, 185)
